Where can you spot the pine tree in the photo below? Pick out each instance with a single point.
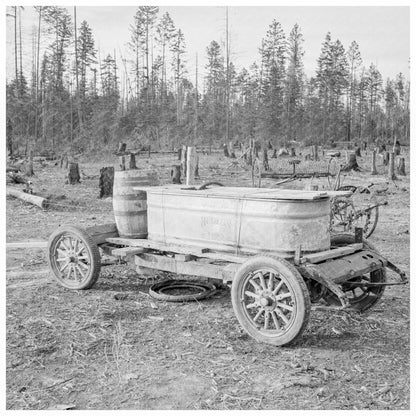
(294, 82)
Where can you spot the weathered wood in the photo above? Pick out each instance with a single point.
(100, 233)
(106, 181)
(30, 198)
(27, 244)
(73, 173)
(401, 170)
(391, 174)
(190, 165)
(373, 162)
(176, 249)
(331, 254)
(127, 251)
(192, 268)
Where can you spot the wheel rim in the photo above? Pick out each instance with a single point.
(362, 295)
(268, 301)
(72, 259)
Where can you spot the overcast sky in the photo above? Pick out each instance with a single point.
(381, 32)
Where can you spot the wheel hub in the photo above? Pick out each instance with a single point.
(267, 300)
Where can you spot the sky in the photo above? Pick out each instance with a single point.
(382, 33)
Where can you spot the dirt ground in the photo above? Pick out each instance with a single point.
(113, 347)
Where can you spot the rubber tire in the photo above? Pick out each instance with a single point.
(339, 240)
(297, 286)
(207, 291)
(93, 254)
(206, 184)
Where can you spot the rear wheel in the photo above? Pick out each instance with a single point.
(270, 300)
(360, 297)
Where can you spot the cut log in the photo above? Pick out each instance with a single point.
(391, 174)
(401, 168)
(30, 198)
(106, 181)
(73, 173)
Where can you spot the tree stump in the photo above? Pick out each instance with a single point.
(122, 161)
(29, 165)
(352, 163)
(391, 175)
(73, 173)
(197, 167)
(315, 152)
(183, 160)
(266, 166)
(373, 162)
(132, 161)
(106, 181)
(386, 158)
(401, 168)
(9, 136)
(121, 147)
(175, 174)
(225, 148)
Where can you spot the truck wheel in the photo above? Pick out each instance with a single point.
(73, 257)
(271, 300)
(360, 298)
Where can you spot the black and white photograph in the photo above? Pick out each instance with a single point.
(207, 206)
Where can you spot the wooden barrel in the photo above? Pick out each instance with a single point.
(129, 205)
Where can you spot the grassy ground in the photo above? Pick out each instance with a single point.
(112, 347)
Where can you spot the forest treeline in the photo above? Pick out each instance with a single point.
(75, 98)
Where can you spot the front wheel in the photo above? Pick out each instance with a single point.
(270, 300)
(74, 257)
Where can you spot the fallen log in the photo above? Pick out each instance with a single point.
(30, 198)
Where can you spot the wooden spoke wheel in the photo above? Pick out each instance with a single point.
(360, 296)
(74, 258)
(271, 300)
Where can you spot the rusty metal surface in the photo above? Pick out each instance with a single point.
(344, 268)
(240, 220)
